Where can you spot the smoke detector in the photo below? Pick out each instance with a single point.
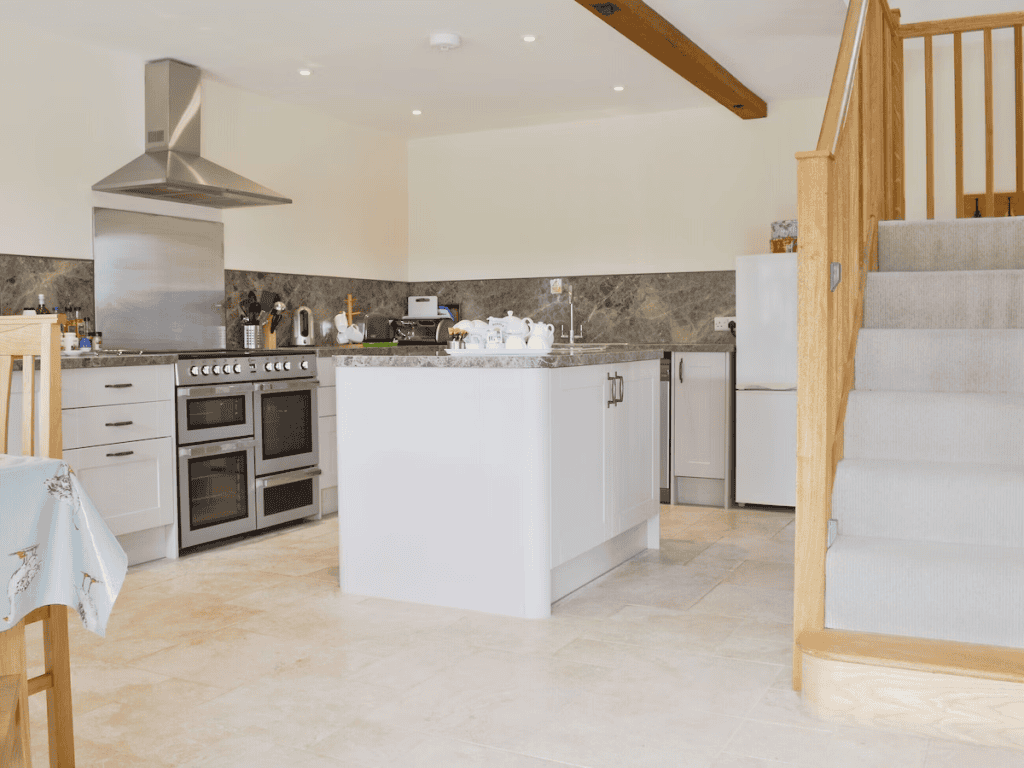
(445, 41)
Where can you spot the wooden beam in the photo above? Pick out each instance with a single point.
(641, 24)
(990, 155)
(964, 24)
(830, 122)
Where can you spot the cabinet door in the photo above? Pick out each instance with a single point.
(701, 390)
(132, 484)
(579, 397)
(631, 430)
(328, 426)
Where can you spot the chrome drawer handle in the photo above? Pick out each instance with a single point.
(121, 453)
(118, 423)
(116, 386)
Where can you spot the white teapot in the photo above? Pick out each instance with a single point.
(545, 331)
(512, 325)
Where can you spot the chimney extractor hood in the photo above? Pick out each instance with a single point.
(172, 168)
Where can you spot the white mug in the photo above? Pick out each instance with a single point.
(68, 341)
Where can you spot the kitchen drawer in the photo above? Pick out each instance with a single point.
(326, 403)
(84, 387)
(132, 484)
(325, 371)
(108, 424)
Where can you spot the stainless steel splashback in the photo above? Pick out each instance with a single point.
(159, 281)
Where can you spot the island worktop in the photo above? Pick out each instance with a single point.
(497, 484)
(437, 357)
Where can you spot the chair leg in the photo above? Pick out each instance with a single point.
(57, 651)
(13, 662)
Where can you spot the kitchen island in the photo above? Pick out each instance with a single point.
(494, 483)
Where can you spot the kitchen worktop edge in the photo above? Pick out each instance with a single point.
(436, 357)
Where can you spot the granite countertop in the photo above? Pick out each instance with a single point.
(437, 357)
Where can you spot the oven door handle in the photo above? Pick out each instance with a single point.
(284, 386)
(212, 449)
(287, 477)
(220, 389)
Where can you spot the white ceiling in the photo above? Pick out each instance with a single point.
(373, 64)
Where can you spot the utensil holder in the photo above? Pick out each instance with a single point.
(252, 337)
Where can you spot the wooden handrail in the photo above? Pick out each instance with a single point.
(965, 24)
(838, 95)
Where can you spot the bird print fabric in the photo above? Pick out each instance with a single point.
(22, 578)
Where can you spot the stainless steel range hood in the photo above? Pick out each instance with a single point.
(172, 168)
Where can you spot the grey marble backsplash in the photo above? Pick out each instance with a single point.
(673, 307)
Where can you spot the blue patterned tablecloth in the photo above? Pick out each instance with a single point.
(55, 548)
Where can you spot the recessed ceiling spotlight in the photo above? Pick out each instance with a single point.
(529, 38)
(619, 88)
(445, 41)
(305, 72)
(417, 112)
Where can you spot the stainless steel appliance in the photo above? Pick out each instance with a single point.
(422, 330)
(378, 328)
(172, 168)
(665, 440)
(159, 281)
(303, 331)
(248, 451)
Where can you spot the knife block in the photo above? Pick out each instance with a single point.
(269, 338)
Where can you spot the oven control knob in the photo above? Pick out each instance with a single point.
(268, 367)
(238, 368)
(304, 365)
(216, 370)
(194, 370)
(278, 367)
(288, 365)
(206, 370)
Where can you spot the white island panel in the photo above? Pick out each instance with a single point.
(444, 486)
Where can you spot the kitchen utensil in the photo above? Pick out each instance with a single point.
(279, 307)
(251, 336)
(266, 299)
(304, 328)
(378, 328)
(354, 334)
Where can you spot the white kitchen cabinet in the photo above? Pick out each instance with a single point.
(132, 484)
(118, 437)
(603, 453)
(328, 434)
(702, 415)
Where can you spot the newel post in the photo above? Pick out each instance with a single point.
(816, 401)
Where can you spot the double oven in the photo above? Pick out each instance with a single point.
(248, 455)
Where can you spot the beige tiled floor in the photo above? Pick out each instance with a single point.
(249, 656)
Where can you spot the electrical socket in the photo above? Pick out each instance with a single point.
(722, 323)
(556, 285)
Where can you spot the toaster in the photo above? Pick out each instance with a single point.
(378, 328)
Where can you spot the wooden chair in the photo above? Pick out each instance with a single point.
(28, 338)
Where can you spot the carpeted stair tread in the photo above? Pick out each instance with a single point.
(955, 299)
(961, 244)
(935, 426)
(944, 360)
(963, 503)
(965, 593)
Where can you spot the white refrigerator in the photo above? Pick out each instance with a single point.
(766, 352)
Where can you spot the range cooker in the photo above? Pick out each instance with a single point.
(247, 441)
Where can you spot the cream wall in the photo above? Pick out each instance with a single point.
(73, 113)
(669, 192)
(1004, 137)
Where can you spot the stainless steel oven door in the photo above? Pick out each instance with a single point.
(287, 496)
(219, 412)
(216, 491)
(286, 425)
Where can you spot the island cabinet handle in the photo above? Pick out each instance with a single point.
(121, 453)
(680, 370)
(622, 387)
(117, 386)
(118, 423)
(613, 400)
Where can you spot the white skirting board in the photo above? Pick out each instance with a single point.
(582, 569)
(970, 709)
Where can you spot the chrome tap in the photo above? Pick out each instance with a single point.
(572, 323)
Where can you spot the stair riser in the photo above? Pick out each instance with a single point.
(944, 300)
(958, 504)
(940, 360)
(964, 244)
(920, 426)
(929, 591)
